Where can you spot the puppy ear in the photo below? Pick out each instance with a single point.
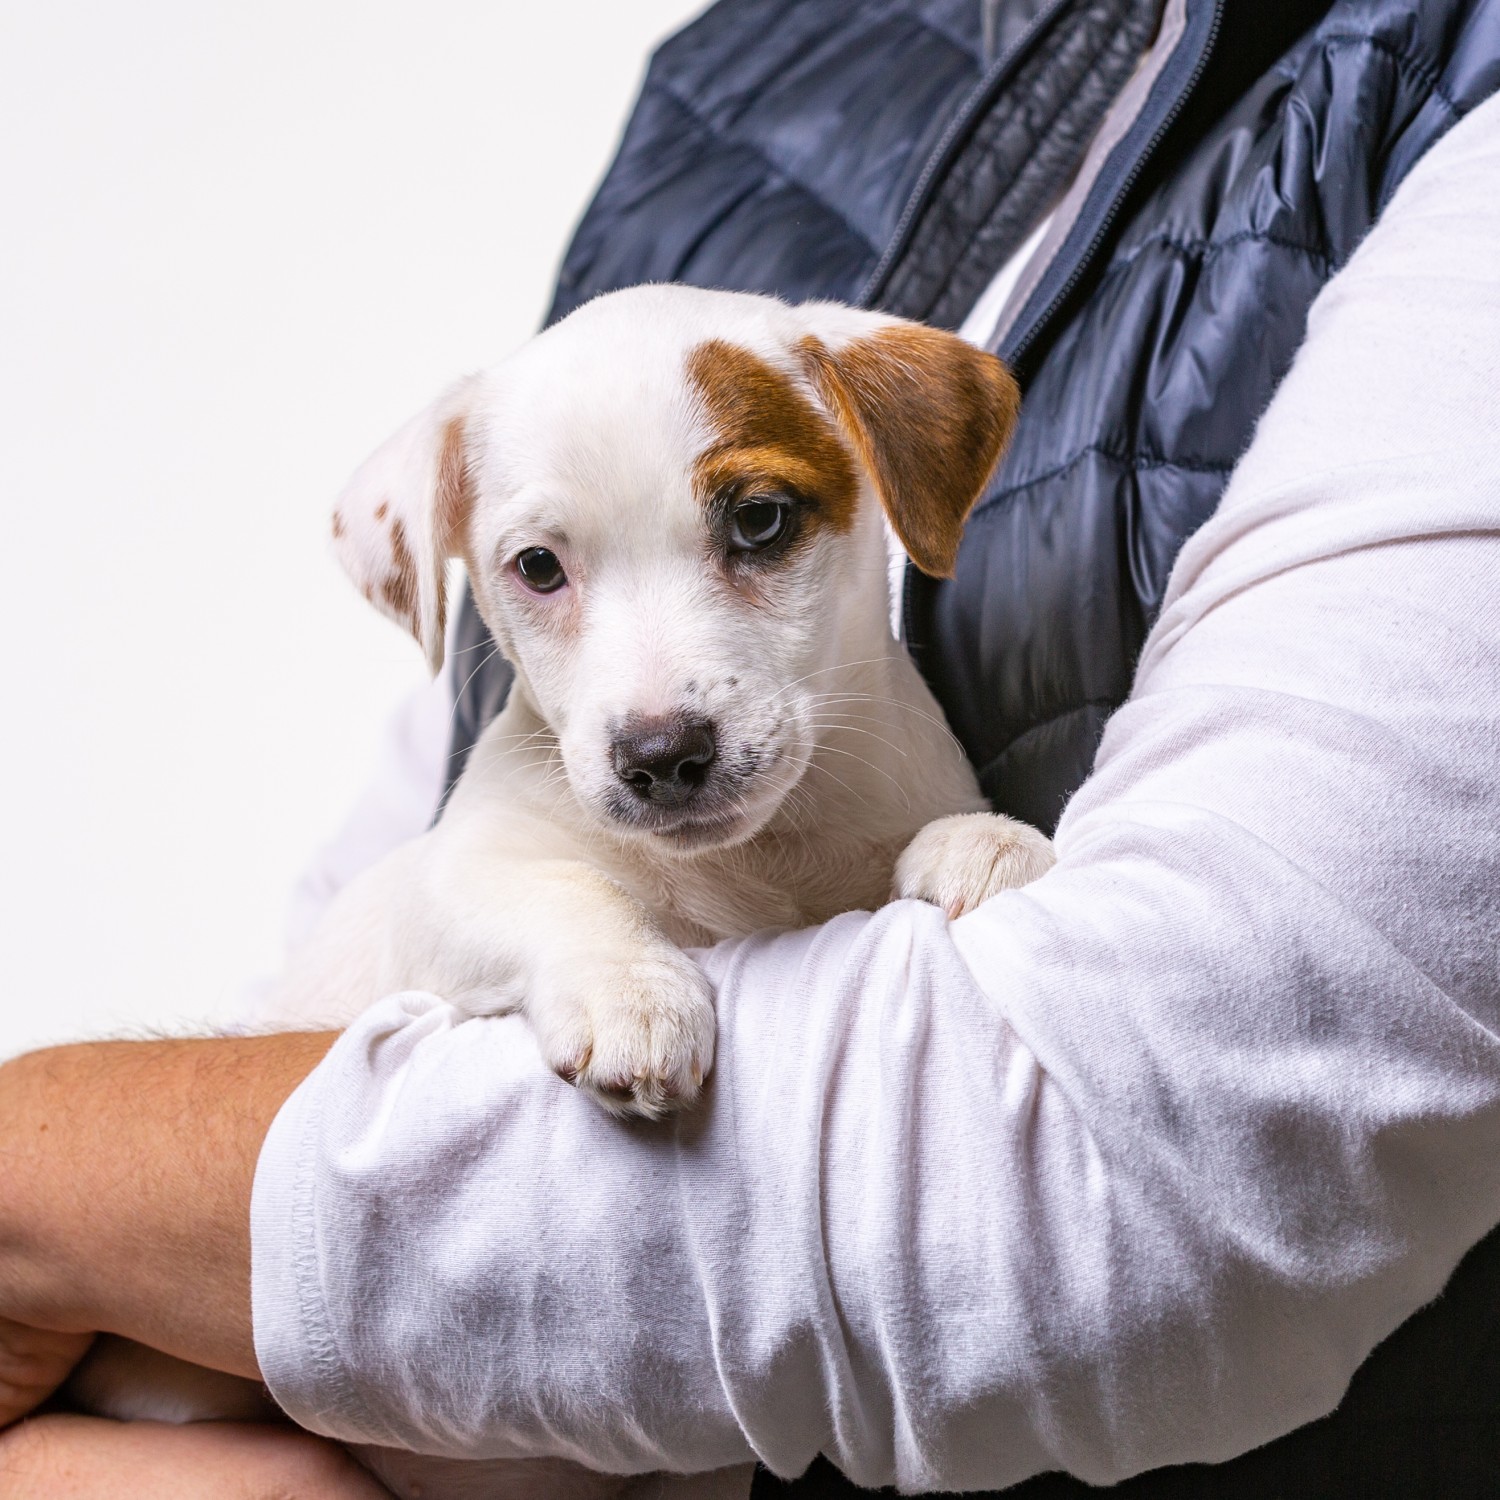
(928, 413)
(406, 512)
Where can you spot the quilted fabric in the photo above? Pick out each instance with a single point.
(1139, 402)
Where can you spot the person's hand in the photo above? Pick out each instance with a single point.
(33, 1363)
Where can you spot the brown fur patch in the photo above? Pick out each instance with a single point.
(455, 498)
(453, 506)
(338, 525)
(769, 435)
(930, 416)
(400, 588)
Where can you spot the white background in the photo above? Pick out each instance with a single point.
(240, 244)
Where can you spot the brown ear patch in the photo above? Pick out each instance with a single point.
(454, 503)
(400, 586)
(401, 589)
(768, 435)
(930, 415)
(452, 508)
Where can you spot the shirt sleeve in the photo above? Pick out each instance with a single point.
(1133, 1166)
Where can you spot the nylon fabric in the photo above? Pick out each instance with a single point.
(1146, 396)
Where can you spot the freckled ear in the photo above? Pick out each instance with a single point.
(928, 413)
(405, 513)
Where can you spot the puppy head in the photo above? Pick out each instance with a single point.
(669, 505)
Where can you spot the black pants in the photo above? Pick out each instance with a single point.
(1421, 1419)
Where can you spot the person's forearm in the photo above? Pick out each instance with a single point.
(86, 1458)
(125, 1174)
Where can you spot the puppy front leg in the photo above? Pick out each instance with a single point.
(617, 1008)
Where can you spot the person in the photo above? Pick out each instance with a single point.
(1126, 1173)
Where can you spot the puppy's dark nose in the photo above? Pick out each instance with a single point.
(665, 760)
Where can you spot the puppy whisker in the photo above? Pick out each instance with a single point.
(458, 697)
(823, 770)
(910, 708)
(845, 727)
(869, 765)
(841, 666)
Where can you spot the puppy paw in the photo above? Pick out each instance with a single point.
(638, 1035)
(958, 862)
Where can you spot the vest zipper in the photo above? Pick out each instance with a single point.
(1017, 344)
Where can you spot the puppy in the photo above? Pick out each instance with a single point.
(673, 509)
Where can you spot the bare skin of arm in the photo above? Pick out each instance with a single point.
(125, 1174)
(87, 1458)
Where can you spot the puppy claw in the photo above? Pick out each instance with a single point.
(637, 1036)
(569, 1061)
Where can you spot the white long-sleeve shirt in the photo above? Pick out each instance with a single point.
(1130, 1167)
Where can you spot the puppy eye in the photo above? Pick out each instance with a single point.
(540, 570)
(757, 523)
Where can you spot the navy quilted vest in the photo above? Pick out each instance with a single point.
(893, 153)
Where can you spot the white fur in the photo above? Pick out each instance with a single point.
(959, 862)
(529, 895)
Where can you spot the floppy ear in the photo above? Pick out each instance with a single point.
(405, 513)
(928, 413)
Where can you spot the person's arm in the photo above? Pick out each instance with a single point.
(62, 1457)
(1132, 1166)
(125, 1171)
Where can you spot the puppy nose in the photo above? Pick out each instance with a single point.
(665, 760)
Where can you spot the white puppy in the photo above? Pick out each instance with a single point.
(670, 509)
